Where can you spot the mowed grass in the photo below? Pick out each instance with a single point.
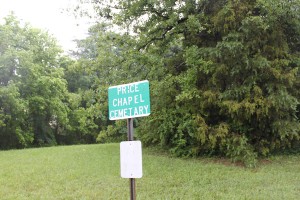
(93, 172)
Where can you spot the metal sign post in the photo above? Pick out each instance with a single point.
(130, 138)
(128, 101)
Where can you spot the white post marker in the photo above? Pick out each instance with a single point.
(131, 159)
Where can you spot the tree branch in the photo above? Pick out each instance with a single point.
(163, 35)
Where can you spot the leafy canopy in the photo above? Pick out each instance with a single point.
(224, 73)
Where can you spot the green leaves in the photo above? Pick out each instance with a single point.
(224, 74)
(13, 115)
(33, 91)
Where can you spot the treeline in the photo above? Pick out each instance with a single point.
(223, 76)
(45, 97)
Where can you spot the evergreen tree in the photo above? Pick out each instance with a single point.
(224, 73)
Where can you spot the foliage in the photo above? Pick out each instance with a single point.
(224, 74)
(34, 95)
(13, 119)
(106, 58)
(113, 133)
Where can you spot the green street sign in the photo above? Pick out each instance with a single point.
(129, 100)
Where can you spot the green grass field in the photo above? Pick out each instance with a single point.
(93, 172)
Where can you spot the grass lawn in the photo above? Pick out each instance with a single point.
(93, 172)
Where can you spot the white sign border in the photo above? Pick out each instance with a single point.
(117, 86)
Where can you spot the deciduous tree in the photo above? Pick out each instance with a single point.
(33, 92)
